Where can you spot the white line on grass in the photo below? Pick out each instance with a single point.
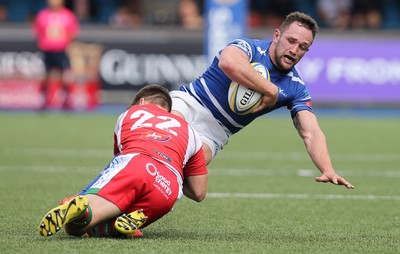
(213, 171)
(360, 173)
(300, 172)
(48, 169)
(300, 156)
(300, 196)
(232, 156)
(63, 169)
(58, 152)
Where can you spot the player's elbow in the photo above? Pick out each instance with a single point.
(195, 187)
(227, 66)
(198, 197)
(311, 138)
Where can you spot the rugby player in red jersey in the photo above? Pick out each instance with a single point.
(158, 157)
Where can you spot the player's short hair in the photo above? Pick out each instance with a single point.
(154, 94)
(302, 18)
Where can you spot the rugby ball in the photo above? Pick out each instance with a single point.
(243, 100)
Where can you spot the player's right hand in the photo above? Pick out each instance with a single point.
(269, 99)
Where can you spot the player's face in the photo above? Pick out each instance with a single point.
(290, 45)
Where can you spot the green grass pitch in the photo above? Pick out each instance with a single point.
(262, 195)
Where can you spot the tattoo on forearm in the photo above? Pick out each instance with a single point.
(296, 123)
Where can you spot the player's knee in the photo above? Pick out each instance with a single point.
(201, 196)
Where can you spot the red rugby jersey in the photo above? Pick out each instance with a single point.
(149, 129)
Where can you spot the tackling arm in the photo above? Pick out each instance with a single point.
(195, 187)
(314, 139)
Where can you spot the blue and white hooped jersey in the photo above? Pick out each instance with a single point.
(211, 88)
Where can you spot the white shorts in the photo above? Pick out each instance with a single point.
(201, 119)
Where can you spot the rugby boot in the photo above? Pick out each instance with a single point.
(128, 224)
(138, 233)
(57, 217)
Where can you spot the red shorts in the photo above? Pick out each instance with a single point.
(137, 181)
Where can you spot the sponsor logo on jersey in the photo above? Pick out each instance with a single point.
(281, 91)
(262, 52)
(294, 78)
(156, 136)
(160, 182)
(162, 155)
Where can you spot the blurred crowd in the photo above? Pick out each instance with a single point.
(333, 14)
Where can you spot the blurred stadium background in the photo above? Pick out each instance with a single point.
(125, 44)
(353, 74)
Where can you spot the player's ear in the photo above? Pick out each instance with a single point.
(277, 34)
(142, 101)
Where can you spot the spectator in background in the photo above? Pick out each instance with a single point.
(3, 13)
(55, 27)
(269, 13)
(127, 15)
(189, 14)
(334, 14)
(277, 10)
(255, 17)
(367, 14)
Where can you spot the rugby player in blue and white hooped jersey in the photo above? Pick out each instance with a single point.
(204, 102)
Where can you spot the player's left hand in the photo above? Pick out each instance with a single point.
(335, 179)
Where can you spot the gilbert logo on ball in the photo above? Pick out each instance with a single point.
(243, 100)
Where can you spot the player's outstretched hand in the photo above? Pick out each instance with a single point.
(335, 179)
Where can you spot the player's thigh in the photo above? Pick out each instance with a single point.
(161, 191)
(201, 119)
(121, 182)
(102, 209)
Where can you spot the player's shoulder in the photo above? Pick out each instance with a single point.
(294, 77)
(290, 81)
(194, 138)
(294, 86)
(255, 48)
(251, 42)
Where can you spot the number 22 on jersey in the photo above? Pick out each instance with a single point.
(147, 119)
